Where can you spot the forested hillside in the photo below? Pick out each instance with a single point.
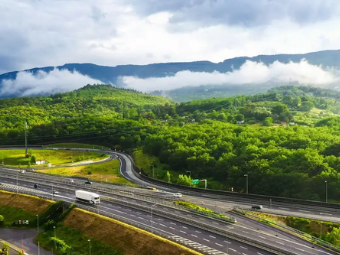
(287, 143)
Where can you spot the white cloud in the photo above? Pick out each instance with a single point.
(249, 73)
(56, 81)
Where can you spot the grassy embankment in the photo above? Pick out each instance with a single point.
(17, 157)
(21, 207)
(108, 171)
(80, 226)
(76, 145)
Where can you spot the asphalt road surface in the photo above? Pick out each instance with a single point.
(197, 235)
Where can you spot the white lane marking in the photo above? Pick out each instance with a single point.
(172, 228)
(262, 237)
(172, 223)
(280, 243)
(244, 248)
(197, 231)
(206, 240)
(283, 208)
(160, 219)
(232, 249)
(212, 236)
(162, 225)
(326, 213)
(245, 232)
(299, 249)
(193, 235)
(303, 211)
(184, 227)
(219, 244)
(259, 253)
(227, 242)
(183, 231)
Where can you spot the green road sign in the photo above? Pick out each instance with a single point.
(196, 181)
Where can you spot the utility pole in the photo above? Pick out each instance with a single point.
(25, 138)
(326, 191)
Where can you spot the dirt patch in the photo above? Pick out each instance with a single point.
(28, 203)
(128, 239)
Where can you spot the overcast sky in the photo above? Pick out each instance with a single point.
(36, 33)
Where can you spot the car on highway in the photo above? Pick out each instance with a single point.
(257, 207)
(55, 192)
(35, 186)
(88, 182)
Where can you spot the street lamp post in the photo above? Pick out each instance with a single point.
(246, 175)
(17, 182)
(151, 217)
(326, 191)
(205, 185)
(54, 236)
(38, 223)
(153, 171)
(89, 246)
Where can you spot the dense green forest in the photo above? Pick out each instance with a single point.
(287, 141)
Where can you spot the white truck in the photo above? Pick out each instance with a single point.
(88, 197)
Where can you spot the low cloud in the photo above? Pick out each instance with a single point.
(44, 83)
(249, 73)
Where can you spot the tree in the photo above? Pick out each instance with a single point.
(268, 121)
(306, 106)
(33, 160)
(239, 117)
(279, 109)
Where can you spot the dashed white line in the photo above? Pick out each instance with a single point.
(140, 218)
(172, 228)
(303, 211)
(232, 249)
(183, 231)
(259, 253)
(212, 236)
(244, 248)
(280, 243)
(262, 237)
(184, 227)
(172, 223)
(326, 213)
(284, 208)
(227, 242)
(299, 249)
(193, 235)
(162, 225)
(219, 244)
(206, 240)
(197, 231)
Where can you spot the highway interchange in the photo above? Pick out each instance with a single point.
(194, 236)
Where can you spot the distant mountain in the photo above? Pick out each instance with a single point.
(109, 75)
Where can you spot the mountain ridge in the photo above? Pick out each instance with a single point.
(111, 74)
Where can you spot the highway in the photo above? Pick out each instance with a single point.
(190, 235)
(222, 203)
(174, 228)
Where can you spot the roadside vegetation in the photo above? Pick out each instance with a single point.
(287, 140)
(327, 231)
(202, 210)
(105, 172)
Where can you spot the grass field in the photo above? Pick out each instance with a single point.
(17, 157)
(76, 145)
(108, 171)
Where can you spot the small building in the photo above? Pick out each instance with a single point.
(240, 122)
(291, 123)
(41, 162)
